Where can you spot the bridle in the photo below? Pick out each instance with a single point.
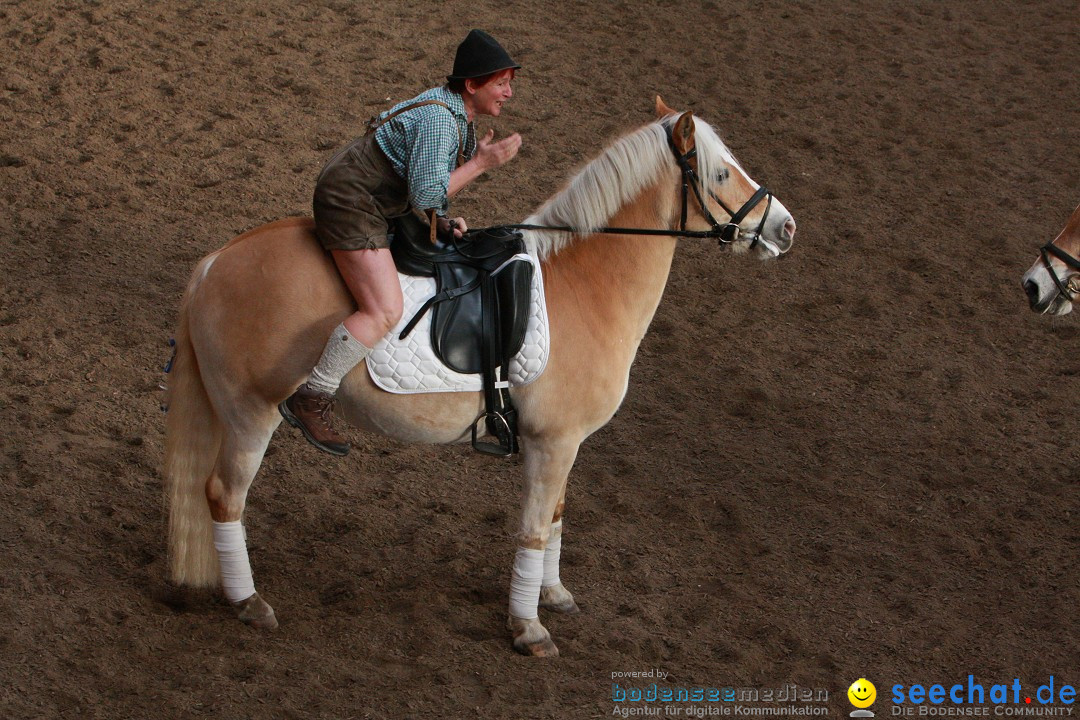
(724, 233)
(1051, 249)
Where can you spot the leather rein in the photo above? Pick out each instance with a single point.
(724, 233)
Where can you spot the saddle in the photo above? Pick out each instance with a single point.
(479, 310)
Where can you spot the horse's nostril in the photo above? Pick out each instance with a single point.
(1031, 289)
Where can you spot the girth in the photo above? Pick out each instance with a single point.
(479, 310)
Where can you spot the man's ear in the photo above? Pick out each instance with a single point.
(682, 134)
(662, 110)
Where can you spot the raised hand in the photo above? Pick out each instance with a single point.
(491, 154)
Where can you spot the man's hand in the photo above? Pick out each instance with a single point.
(491, 155)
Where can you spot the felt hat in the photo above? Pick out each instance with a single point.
(480, 54)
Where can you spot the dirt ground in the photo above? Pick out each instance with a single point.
(859, 460)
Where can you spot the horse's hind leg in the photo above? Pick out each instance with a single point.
(241, 454)
(553, 595)
(547, 464)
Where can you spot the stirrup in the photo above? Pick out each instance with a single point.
(506, 446)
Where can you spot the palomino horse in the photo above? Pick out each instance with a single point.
(257, 312)
(1053, 281)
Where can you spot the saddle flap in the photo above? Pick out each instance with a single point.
(457, 326)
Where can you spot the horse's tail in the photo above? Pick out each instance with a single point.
(192, 440)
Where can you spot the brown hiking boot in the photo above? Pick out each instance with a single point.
(313, 412)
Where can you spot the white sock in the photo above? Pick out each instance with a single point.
(525, 583)
(343, 352)
(551, 556)
(232, 552)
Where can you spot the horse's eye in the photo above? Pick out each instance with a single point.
(722, 175)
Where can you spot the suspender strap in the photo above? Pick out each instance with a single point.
(376, 122)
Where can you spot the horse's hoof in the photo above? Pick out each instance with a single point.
(257, 613)
(557, 598)
(531, 638)
(566, 608)
(545, 648)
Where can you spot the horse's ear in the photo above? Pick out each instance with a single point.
(662, 110)
(682, 134)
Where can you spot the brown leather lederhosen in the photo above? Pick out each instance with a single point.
(358, 192)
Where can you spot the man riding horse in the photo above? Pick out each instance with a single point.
(415, 156)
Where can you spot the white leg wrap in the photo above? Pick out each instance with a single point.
(551, 556)
(525, 583)
(231, 546)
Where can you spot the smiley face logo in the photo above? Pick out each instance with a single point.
(862, 693)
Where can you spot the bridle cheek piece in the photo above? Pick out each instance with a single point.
(730, 231)
(1051, 249)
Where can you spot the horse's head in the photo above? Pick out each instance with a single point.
(1053, 282)
(747, 216)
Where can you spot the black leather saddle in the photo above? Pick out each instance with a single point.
(479, 309)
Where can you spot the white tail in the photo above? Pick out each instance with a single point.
(192, 440)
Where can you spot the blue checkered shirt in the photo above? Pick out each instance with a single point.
(422, 145)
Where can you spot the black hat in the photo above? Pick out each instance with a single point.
(480, 54)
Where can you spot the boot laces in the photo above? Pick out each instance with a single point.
(325, 409)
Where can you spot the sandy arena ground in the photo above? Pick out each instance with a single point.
(858, 460)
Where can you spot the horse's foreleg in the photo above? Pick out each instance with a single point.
(547, 464)
(553, 595)
(226, 492)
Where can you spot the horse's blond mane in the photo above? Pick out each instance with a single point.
(621, 172)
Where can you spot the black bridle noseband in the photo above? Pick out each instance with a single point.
(1051, 249)
(724, 233)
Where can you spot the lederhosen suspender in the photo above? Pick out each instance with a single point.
(375, 123)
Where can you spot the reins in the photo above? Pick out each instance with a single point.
(699, 234)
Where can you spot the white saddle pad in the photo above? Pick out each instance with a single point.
(411, 366)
